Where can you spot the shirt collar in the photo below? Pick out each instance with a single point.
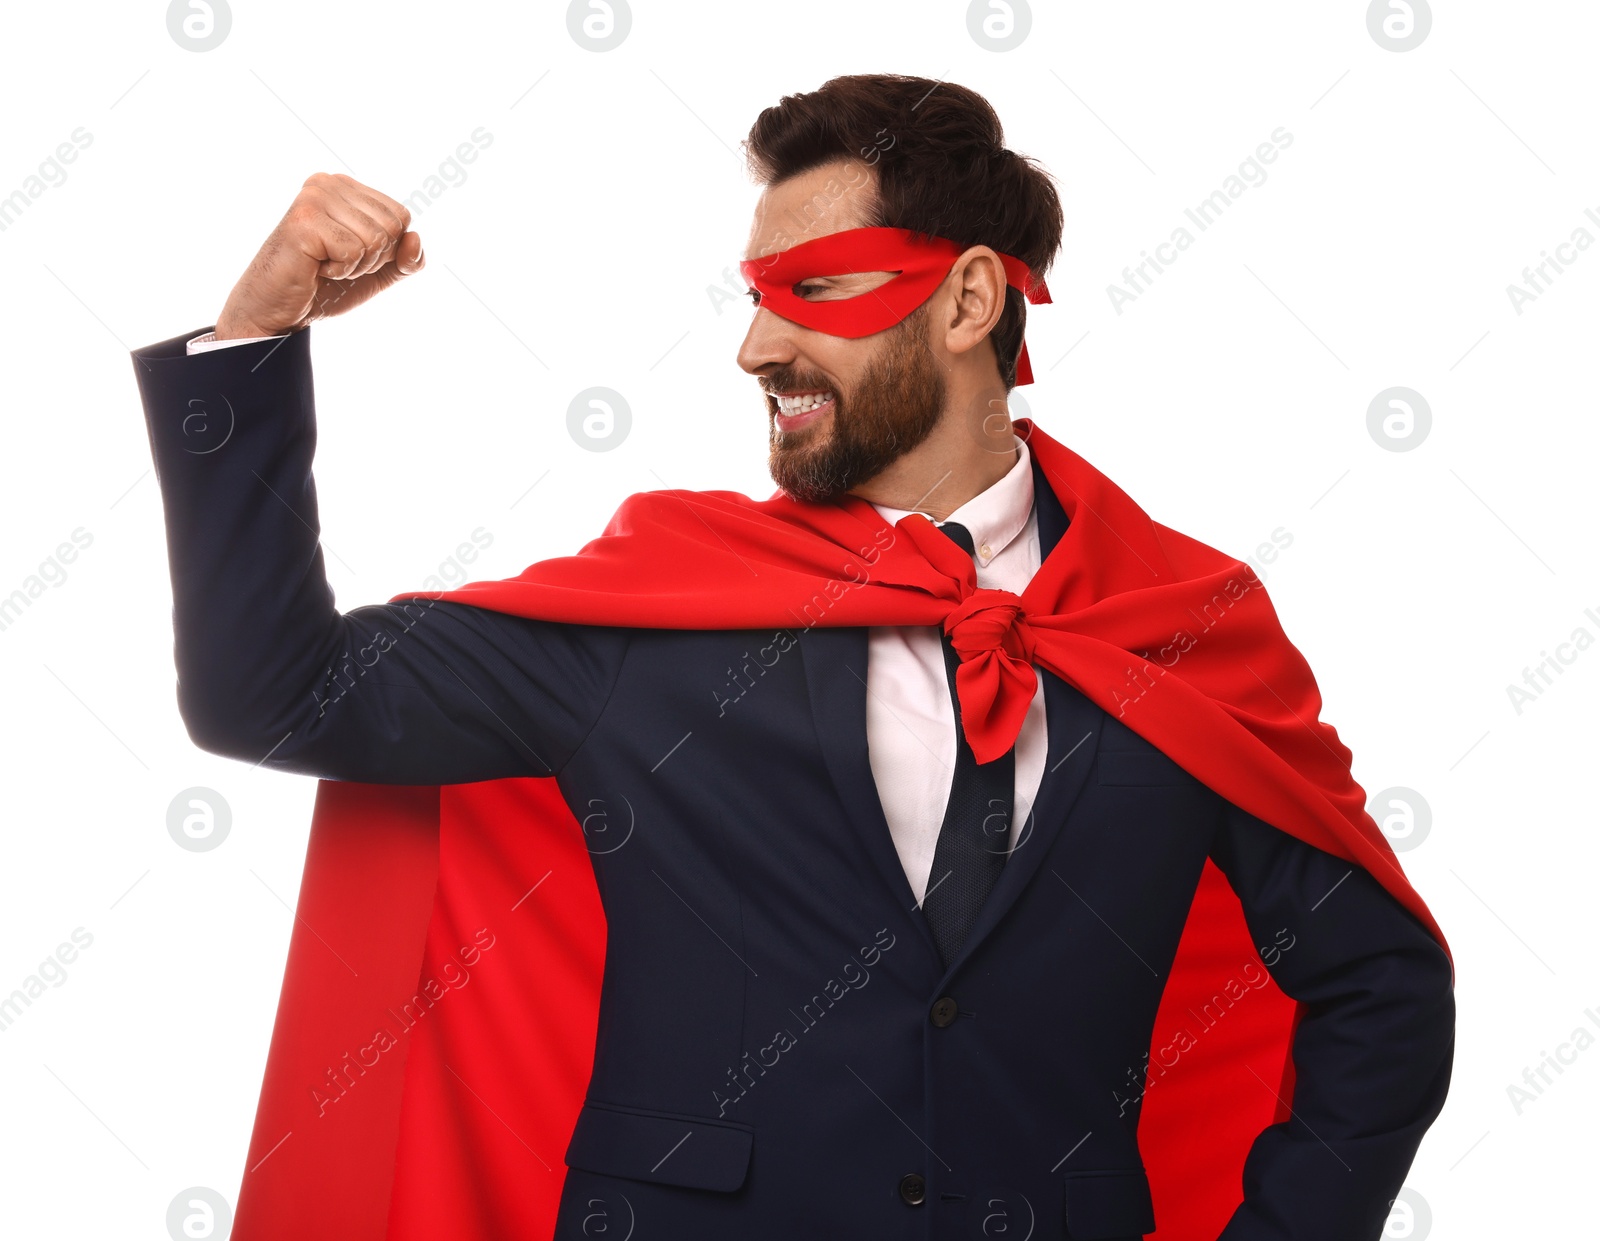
(997, 514)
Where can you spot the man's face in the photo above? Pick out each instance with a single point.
(839, 410)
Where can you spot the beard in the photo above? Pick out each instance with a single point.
(888, 411)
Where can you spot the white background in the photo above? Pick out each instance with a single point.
(1230, 399)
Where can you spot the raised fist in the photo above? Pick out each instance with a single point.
(339, 244)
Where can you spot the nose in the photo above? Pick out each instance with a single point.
(768, 343)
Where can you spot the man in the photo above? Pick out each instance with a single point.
(1004, 861)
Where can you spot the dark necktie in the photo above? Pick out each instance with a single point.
(975, 837)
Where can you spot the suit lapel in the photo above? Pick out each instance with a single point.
(1073, 724)
(835, 661)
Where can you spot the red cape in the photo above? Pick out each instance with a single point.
(437, 1022)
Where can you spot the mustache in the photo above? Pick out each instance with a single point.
(795, 381)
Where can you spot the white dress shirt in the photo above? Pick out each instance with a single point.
(911, 731)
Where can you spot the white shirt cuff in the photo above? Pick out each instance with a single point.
(209, 341)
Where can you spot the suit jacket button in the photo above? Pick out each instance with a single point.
(913, 1189)
(943, 1012)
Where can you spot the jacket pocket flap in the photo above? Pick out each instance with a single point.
(1104, 1205)
(660, 1146)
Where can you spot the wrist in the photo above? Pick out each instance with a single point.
(241, 332)
(235, 327)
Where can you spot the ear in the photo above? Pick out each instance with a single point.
(975, 292)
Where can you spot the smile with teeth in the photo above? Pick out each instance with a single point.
(796, 409)
(800, 403)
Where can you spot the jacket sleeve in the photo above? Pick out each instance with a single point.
(269, 670)
(1373, 1050)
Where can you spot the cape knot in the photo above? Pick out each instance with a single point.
(990, 620)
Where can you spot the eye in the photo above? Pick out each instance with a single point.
(755, 296)
(806, 290)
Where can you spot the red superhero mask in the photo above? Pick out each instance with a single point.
(920, 264)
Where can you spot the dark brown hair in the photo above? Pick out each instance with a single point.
(942, 167)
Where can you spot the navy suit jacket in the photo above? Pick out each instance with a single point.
(773, 1059)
